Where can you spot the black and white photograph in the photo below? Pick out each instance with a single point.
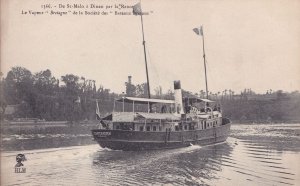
(150, 92)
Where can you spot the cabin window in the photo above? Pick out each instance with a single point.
(117, 127)
(185, 127)
(141, 128)
(176, 128)
(148, 128)
(159, 128)
(154, 128)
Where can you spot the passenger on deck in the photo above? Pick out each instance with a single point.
(207, 107)
(188, 108)
(164, 109)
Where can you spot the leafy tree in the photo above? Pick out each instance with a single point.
(19, 89)
(142, 90)
(44, 82)
(71, 84)
(158, 92)
(3, 103)
(18, 84)
(130, 89)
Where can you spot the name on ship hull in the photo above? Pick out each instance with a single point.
(102, 134)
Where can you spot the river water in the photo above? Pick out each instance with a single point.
(256, 154)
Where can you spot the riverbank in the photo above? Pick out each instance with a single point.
(265, 121)
(35, 135)
(61, 127)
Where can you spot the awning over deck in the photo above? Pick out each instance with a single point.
(144, 100)
(108, 117)
(195, 99)
(161, 116)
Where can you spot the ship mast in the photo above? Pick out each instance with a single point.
(137, 10)
(145, 55)
(204, 61)
(199, 31)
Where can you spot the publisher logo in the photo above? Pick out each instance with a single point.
(19, 167)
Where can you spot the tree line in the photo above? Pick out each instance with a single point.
(41, 95)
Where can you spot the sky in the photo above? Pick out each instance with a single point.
(248, 44)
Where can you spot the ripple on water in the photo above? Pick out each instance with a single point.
(242, 160)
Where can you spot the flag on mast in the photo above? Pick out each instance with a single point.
(137, 9)
(198, 31)
(97, 111)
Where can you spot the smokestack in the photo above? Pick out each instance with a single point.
(178, 97)
(129, 79)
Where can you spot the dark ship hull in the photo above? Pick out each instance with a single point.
(141, 140)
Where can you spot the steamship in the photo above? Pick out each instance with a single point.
(169, 124)
(147, 123)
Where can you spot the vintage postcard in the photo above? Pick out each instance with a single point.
(150, 92)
